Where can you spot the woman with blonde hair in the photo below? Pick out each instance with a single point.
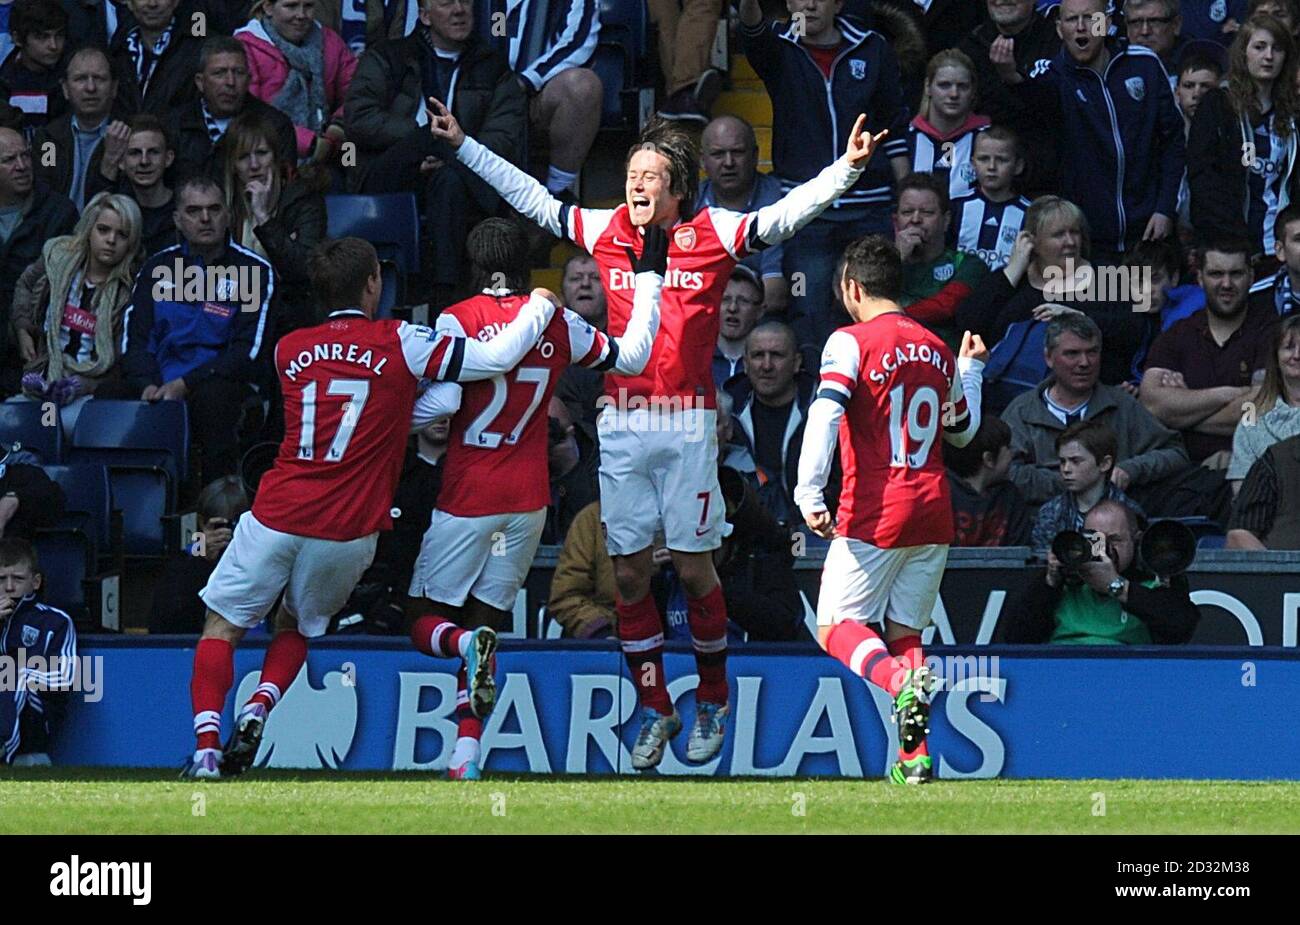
(1274, 412)
(275, 210)
(1049, 264)
(941, 137)
(1241, 149)
(68, 306)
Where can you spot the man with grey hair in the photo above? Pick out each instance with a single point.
(729, 156)
(1148, 452)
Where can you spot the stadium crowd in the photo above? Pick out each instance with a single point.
(1103, 190)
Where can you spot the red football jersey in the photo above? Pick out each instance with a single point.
(701, 254)
(348, 385)
(901, 389)
(497, 450)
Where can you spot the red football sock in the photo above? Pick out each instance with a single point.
(214, 672)
(642, 634)
(437, 636)
(284, 658)
(907, 649)
(862, 649)
(707, 617)
(468, 726)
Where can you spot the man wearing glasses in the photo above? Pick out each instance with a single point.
(1156, 24)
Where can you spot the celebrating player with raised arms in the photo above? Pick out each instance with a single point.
(349, 388)
(889, 388)
(658, 446)
(495, 489)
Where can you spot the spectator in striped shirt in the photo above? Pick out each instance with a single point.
(986, 221)
(941, 137)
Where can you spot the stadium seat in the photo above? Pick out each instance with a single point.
(21, 422)
(145, 446)
(391, 222)
(621, 62)
(387, 295)
(610, 63)
(80, 559)
(621, 22)
(89, 502)
(66, 561)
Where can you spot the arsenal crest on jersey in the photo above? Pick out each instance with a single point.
(1137, 88)
(858, 69)
(685, 238)
(30, 636)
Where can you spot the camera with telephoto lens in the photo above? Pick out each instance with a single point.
(1076, 548)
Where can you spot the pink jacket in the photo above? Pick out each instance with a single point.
(268, 71)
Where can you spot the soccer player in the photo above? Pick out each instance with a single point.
(349, 387)
(492, 504)
(889, 387)
(985, 222)
(658, 444)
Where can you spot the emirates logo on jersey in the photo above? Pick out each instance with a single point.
(685, 238)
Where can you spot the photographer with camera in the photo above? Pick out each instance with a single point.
(177, 607)
(1109, 585)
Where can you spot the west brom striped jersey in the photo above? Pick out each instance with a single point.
(947, 157)
(987, 229)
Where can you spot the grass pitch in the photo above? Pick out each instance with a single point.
(93, 801)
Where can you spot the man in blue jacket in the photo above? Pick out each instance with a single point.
(821, 70)
(196, 327)
(1122, 147)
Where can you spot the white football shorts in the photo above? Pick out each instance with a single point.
(660, 468)
(869, 584)
(316, 576)
(485, 557)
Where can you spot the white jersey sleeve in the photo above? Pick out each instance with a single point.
(581, 226)
(439, 400)
(440, 355)
(839, 377)
(733, 230)
(774, 223)
(961, 413)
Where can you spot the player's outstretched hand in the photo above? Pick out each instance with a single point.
(654, 252)
(442, 124)
(862, 144)
(540, 293)
(820, 522)
(972, 346)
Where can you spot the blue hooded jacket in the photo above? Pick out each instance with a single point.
(1122, 147)
(813, 115)
(172, 330)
